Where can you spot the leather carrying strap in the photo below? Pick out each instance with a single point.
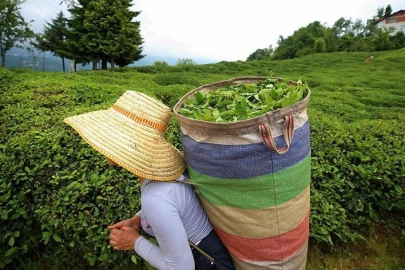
(268, 140)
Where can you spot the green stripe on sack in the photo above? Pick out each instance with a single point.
(258, 192)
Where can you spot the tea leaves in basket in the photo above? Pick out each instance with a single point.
(243, 101)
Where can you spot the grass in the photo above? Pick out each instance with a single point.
(381, 249)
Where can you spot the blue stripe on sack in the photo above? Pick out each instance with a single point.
(245, 161)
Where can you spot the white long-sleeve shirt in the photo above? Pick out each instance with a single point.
(173, 214)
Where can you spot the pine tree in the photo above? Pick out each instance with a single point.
(75, 44)
(112, 31)
(54, 38)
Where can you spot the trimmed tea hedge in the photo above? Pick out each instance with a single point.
(57, 195)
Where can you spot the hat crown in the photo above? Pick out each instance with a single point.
(144, 109)
(130, 133)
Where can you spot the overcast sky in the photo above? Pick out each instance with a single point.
(222, 29)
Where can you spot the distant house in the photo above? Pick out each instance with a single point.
(396, 21)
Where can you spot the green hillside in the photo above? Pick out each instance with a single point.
(27, 61)
(59, 195)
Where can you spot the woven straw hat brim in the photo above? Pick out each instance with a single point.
(134, 146)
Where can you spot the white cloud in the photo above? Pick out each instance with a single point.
(41, 11)
(230, 29)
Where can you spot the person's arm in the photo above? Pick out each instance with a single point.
(173, 251)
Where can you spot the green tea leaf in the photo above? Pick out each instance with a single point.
(11, 252)
(57, 238)
(11, 241)
(199, 97)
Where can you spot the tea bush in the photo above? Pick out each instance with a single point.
(172, 78)
(57, 195)
(357, 176)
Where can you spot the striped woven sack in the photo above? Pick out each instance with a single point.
(253, 179)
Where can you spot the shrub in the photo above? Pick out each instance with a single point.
(185, 62)
(173, 78)
(160, 64)
(57, 195)
(357, 176)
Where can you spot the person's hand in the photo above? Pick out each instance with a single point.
(134, 222)
(124, 238)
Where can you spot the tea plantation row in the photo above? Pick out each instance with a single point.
(57, 195)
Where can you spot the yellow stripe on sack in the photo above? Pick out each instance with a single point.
(260, 223)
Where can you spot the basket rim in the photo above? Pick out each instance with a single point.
(243, 126)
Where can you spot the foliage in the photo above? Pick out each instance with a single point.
(54, 36)
(170, 78)
(112, 32)
(320, 45)
(344, 35)
(364, 202)
(381, 248)
(243, 101)
(261, 54)
(13, 28)
(302, 42)
(185, 62)
(6, 78)
(388, 11)
(57, 194)
(160, 64)
(75, 45)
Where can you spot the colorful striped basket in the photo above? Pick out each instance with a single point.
(253, 179)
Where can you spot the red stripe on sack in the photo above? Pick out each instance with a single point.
(275, 248)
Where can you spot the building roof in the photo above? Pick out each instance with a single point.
(392, 15)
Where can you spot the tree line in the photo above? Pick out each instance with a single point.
(105, 31)
(344, 35)
(97, 31)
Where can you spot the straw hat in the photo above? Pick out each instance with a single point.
(130, 133)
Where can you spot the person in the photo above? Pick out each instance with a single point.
(131, 134)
